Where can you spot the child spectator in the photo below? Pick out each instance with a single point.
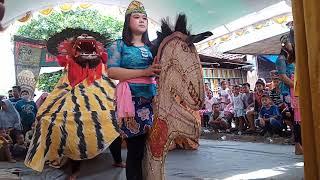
(278, 100)
(19, 150)
(217, 119)
(5, 144)
(248, 104)
(27, 110)
(251, 115)
(238, 108)
(209, 101)
(269, 117)
(29, 134)
(224, 94)
(275, 93)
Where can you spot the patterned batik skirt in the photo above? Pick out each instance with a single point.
(73, 122)
(142, 122)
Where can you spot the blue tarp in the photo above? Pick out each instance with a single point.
(270, 58)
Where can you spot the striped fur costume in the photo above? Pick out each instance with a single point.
(76, 119)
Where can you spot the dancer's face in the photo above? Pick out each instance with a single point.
(138, 23)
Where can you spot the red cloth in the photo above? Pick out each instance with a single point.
(77, 74)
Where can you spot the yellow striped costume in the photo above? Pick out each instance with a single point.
(73, 122)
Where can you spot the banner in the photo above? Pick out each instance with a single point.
(30, 55)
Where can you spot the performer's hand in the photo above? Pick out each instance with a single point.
(153, 70)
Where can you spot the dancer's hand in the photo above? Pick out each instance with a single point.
(153, 70)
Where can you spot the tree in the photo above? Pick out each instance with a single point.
(47, 81)
(42, 27)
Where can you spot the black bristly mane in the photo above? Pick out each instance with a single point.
(180, 26)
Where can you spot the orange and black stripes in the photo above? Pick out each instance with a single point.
(103, 91)
(64, 134)
(53, 118)
(97, 125)
(77, 116)
(77, 122)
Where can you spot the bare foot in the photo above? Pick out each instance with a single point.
(298, 149)
(72, 177)
(120, 165)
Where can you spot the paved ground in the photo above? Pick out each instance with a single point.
(226, 160)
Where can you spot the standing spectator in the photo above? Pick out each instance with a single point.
(9, 118)
(238, 108)
(27, 110)
(16, 92)
(206, 88)
(248, 104)
(285, 69)
(224, 94)
(269, 117)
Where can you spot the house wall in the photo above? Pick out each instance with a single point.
(215, 75)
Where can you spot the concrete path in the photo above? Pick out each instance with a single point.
(224, 160)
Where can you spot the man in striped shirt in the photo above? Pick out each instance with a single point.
(275, 93)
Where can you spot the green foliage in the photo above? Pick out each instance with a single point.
(42, 27)
(47, 81)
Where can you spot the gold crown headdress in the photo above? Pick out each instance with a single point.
(136, 7)
(27, 81)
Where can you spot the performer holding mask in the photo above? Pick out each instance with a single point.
(131, 62)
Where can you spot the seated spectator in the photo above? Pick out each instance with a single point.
(10, 119)
(269, 117)
(278, 100)
(29, 134)
(16, 93)
(253, 113)
(228, 113)
(5, 146)
(217, 119)
(19, 150)
(27, 110)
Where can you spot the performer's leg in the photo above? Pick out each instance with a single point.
(75, 169)
(115, 149)
(297, 139)
(136, 147)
